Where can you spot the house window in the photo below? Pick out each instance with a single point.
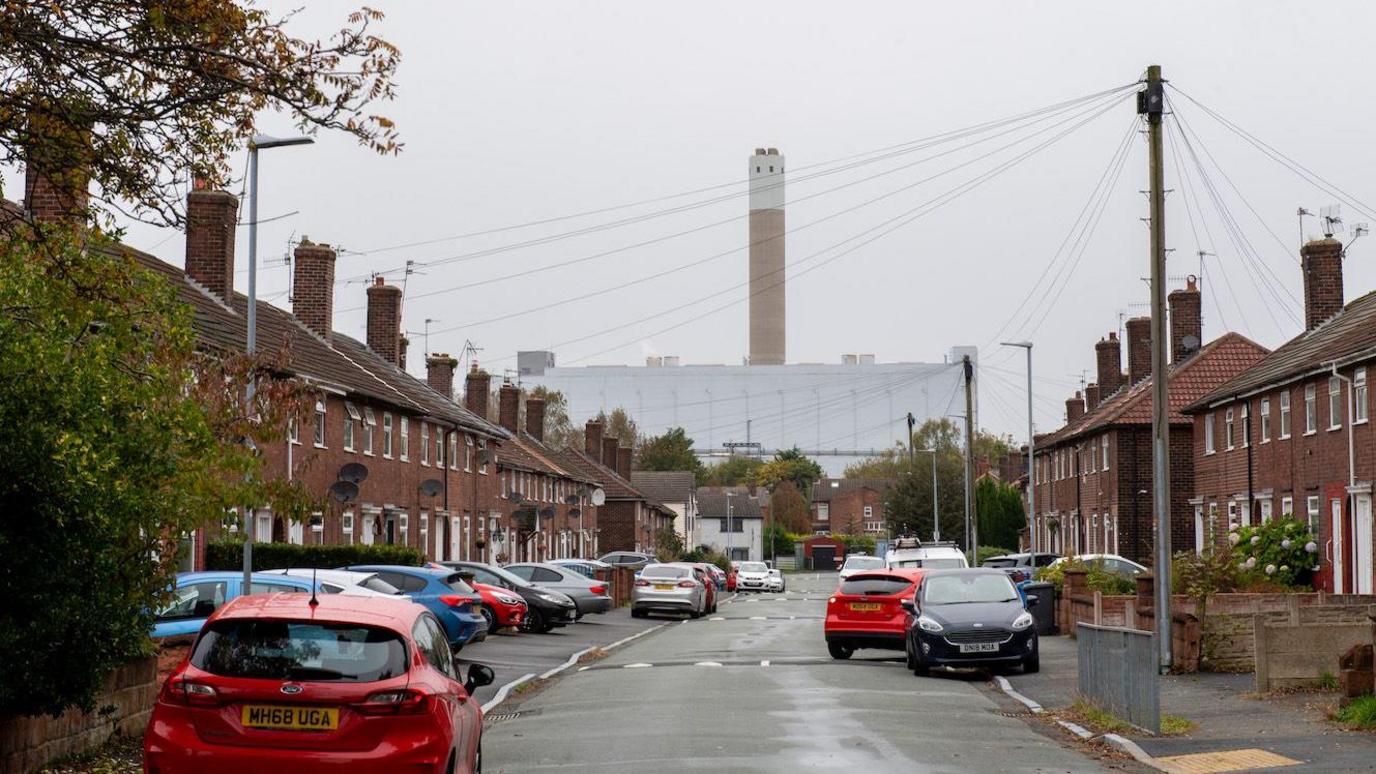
(369, 422)
(1359, 396)
(874, 526)
(320, 424)
(453, 451)
(1209, 433)
(424, 532)
(1232, 513)
(1104, 444)
(347, 522)
(439, 447)
(1228, 429)
(468, 453)
(824, 511)
(405, 439)
(387, 435)
(1335, 403)
(1246, 424)
(482, 461)
(736, 525)
(1266, 506)
(1265, 420)
(351, 416)
(424, 444)
(1285, 414)
(405, 529)
(1311, 506)
(869, 511)
(1287, 506)
(1311, 414)
(294, 430)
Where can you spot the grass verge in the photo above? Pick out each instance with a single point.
(1360, 713)
(1101, 721)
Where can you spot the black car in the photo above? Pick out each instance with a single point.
(545, 608)
(969, 617)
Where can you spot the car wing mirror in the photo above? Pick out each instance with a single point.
(909, 605)
(1031, 600)
(478, 676)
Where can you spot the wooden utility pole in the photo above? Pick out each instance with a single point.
(1151, 102)
(971, 514)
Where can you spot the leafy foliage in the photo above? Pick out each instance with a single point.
(560, 431)
(1281, 551)
(1096, 577)
(671, 451)
(857, 544)
(788, 509)
(668, 545)
(736, 470)
(777, 540)
(228, 555)
(1001, 513)
(142, 93)
(789, 465)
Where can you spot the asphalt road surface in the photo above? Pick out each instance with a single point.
(752, 689)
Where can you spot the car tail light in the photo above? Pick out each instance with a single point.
(598, 589)
(454, 600)
(191, 693)
(687, 584)
(405, 701)
(641, 582)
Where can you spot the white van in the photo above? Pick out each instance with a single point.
(910, 553)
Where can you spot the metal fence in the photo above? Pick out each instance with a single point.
(1118, 672)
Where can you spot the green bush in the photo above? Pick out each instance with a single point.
(1282, 551)
(985, 552)
(229, 555)
(857, 544)
(1096, 577)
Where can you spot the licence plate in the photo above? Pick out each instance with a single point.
(980, 647)
(292, 718)
(664, 587)
(866, 607)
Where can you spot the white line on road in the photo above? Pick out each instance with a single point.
(635, 636)
(717, 618)
(757, 618)
(765, 662)
(572, 660)
(637, 665)
(504, 690)
(1008, 689)
(708, 663)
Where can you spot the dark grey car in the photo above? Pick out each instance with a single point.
(588, 594)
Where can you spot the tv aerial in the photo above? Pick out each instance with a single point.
(1331, 220)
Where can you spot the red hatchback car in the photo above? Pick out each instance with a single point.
(284, 682)
(867, 611)
(501, 608)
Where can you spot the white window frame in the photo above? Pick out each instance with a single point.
(425, 532)
(1335, 403)
(1265, 420)
(482, 447)
(1265, 507)
(294, 431)
(453, 451)
(1287, 506)
(404, 523)
(1311, 409)
(824, 511)
(1284, 415)
(387, 435)
(405, 439)
(439, 447)
(1246, 424)
(1209, 433)
(425, 444)
(1359, 397)
(369, 422)
(1104, 444)
(351, 416)
(1313, 506)
(346, 521)
(468, 454)
(320, 424)
(869, 511)
(1228, 429)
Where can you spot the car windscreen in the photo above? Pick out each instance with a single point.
(497, 576)
(861, 585)
(967, 588)
(374, 583)
(862, 563)
(1002, 561)
(456, 582)
(664, 571)
(300, 650)
(754, 567)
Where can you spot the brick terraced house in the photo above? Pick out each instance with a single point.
(850, 506)
(1292, 434)
(629, 520)
(1094, 474)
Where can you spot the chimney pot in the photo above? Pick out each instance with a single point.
(609, 447)
(439, 374)
(1187, 330)
(623, 461)
(313, 290)
(592, 440)
(211, 220)
(384, 320)
(535, 418)
(1091, 396)
(1074, 407)
(1322, 263)
(1139, 349)
(1109, 355)
(509, 407)
(476, 390)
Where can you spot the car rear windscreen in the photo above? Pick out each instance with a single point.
(1000, 562)
(300, 650)
(663, 571)
(863, 563)
(874, 584)
(457, 583)
(374, 583)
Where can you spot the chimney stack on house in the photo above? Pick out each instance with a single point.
(1321, 260)
(211, 218)
(535, 418)
(623, 461)
(592, 440)
(509, 407)
(1091, 396)
(439, 374)
(57, 164)
(313, 288)
(1109, 354)
(384, 320)
(1074, 407)
(609, 446)
(1187, 327)
(1139, 349)
(475, 392)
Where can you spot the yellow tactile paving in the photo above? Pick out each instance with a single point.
(1224, 760)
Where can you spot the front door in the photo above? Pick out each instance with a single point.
(1362, 543)
(1336, 544)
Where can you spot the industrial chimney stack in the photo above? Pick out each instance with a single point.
(767, 317)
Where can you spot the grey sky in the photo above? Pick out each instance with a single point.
(514, 112)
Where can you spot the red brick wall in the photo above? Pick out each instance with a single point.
(210, 224)
(620, 526)
(847, 511)
(384, 321)
(312, 298)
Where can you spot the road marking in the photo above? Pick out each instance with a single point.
(504, 690)
(637, 665)
(1008, 689)
(635, 636)
(1223, 760)
(757, 618)
(708, 663)
(765, 662)
(572, 660)
(717, 618)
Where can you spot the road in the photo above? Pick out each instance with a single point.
(753, 689)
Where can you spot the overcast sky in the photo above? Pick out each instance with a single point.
(516, 112)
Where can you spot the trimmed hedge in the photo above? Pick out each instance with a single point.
(224, 555)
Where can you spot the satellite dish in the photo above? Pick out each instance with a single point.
(599, 496)
(344, 491)
(575, 513)
(486, 455)
(547, 512)
(354, 472)
(431, 487)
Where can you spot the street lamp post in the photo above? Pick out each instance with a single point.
(1031, 461)
(258, 142)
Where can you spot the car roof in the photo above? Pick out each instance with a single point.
(405, 569)
(338, 576)
(399, 614)
(969, 571)
(223, 575)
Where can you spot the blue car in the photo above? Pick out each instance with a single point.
(442, 592)
(195, 595)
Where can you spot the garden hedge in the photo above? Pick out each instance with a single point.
(225, 555)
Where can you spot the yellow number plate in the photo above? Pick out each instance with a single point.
(293, 718)
(664, 587)
(866, 607)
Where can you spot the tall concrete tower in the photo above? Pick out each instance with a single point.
(767, 318)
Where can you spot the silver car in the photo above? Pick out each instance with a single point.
(668, 587)
(752, 576)
(589, 595)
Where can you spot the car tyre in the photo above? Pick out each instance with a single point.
(637, 612)
(839, 651)
(909, 659)
(491, 616)
(1032, 665)
(535, 621)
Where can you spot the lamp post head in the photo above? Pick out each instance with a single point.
(1023, 344)
(261, 141)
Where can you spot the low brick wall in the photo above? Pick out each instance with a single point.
(1295, 654)
(620, 580)
(1230, 638)
(123, 706)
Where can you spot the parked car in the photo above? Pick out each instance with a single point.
(776, 580)
(1111, 563)
(275, 683)
(910, 553)
(718, 576)
(632, 559)
(866, 611)
(545, 608)
(443, 592)
(752, 576)
(666, 587)
(501, 608)
(1020, 566)
(361, 584)
(971, 617)
(197, 595)
(590, 596)
(703, 572)
(859, 563)
(585, 567)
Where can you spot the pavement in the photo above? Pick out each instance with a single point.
(1229, 717)
(752, 689)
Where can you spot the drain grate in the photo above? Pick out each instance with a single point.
(1011, 714)
(503, 716)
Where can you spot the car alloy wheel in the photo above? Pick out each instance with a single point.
(535, 621)
(491, 617)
